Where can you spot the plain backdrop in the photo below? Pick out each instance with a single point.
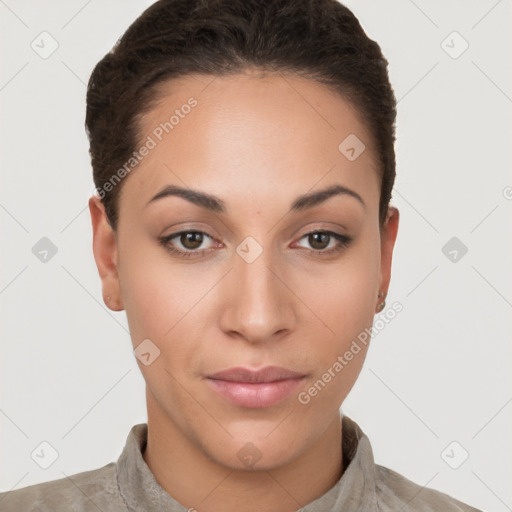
(436, 386)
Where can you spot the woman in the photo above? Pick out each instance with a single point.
(243, 156)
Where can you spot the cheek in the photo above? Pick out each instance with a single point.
(343, 295)
(153, 293)
(169, 304)
(159, 307)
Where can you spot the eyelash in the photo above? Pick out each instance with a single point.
(344, 242)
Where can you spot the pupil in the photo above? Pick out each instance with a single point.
(195, 239)
(314, 240)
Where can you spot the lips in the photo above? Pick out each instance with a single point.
(267, 374)
(255, 389)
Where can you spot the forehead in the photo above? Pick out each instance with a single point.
(248, 136)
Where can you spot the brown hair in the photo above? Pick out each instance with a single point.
(320, 39)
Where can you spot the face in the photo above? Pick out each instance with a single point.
(260, 271)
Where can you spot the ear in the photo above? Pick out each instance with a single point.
(388, 236)
(106, 255)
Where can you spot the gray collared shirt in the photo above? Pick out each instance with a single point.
(128, 485)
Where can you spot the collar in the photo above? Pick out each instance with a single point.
(355, 490)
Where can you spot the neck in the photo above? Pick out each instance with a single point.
(195, 480)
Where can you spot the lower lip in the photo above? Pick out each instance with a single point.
(255, 395)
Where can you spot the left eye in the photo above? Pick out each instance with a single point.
(320, 241)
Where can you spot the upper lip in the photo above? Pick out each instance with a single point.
(267, 374)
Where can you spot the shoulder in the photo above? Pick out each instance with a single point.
(87, 491)
(393, 489)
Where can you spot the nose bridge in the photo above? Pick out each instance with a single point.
(260, 303)
(256, 279)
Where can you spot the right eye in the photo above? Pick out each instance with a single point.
(190, 242)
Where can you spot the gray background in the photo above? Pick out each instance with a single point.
(439, 372)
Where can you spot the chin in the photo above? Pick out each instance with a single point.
(265, 450)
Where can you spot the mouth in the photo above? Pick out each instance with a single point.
(255, 389)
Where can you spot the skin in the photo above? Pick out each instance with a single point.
(257, 142)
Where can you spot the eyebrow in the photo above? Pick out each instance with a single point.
(215, 204)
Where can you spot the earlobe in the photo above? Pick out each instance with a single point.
(105, 254)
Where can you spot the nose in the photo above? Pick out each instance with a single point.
(259, 305)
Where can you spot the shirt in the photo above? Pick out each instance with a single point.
(128, 485)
